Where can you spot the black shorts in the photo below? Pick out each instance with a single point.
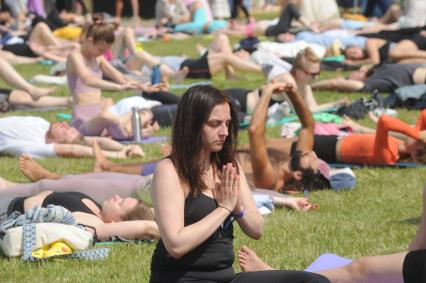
(414, 267)
(420, 41)
(20, 49)
(17, 204)
(198, 68)
(238, 97)
(324, 147)
(4, 100)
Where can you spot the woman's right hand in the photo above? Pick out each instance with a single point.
(227, 191)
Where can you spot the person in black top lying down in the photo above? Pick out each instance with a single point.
(125, 217)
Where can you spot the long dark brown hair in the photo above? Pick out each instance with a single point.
(193, 111)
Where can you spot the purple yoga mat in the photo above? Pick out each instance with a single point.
(148, 140)
(327, 261)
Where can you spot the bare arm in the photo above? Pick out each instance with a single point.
(135, 229)
(169, 200)
(339, 84)
(252, 222)
(112, 72)
(306, 135)
(313, 106)
(105, 143)
(76, 150)
(263, 171)
(78, 66)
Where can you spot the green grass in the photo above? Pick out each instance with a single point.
(379, 216)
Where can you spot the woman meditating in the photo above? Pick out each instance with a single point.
(199, 191)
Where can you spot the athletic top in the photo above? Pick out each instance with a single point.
(379, 148)
(70, 200)
(389, 77)
(211, 261)
(384, 51)
(77, 85)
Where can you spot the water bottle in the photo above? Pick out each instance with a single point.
(156, 75)
(136, 124)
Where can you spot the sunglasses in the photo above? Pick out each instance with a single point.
(312, 74)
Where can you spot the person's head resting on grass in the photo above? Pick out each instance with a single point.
(117, 208)
(205, 131)
(306, 66)
(62, 133)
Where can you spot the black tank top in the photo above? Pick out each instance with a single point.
(210, 261)
(384, 52)
(69, 200)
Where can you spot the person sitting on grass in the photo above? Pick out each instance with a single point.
(85, 68)
(195, 192)
(407, 267)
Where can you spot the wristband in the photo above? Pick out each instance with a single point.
(225, 208)
(240, 214)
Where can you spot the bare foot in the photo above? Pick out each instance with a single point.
(181, 75)
(34, 171)
(37, 92)
(165, 149)
(249, 261)
(5, 184)
(101, 162)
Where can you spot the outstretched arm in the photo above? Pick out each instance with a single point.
(76, 150)
(310, 100)
(135, 229)
(339, 84)
(263, 171)
(306, 136)
(78, 66)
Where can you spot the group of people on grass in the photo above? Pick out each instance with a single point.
(205, 182)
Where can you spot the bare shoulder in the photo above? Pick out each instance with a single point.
(165, 171)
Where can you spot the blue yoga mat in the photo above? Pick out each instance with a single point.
(400, 165)
(327, 261)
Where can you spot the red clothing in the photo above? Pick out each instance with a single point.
(379, 149)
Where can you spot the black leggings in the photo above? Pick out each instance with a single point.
(324, 147)
(164, 97)
(414, 267)
(290, 12)
(280, 276)
(234, 10)
(164, 114)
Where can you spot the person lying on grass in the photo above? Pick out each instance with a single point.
(402, 267)
(39, 138)
(377, 148)
(129, 218)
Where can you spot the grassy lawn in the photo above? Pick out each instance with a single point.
(379, 216)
